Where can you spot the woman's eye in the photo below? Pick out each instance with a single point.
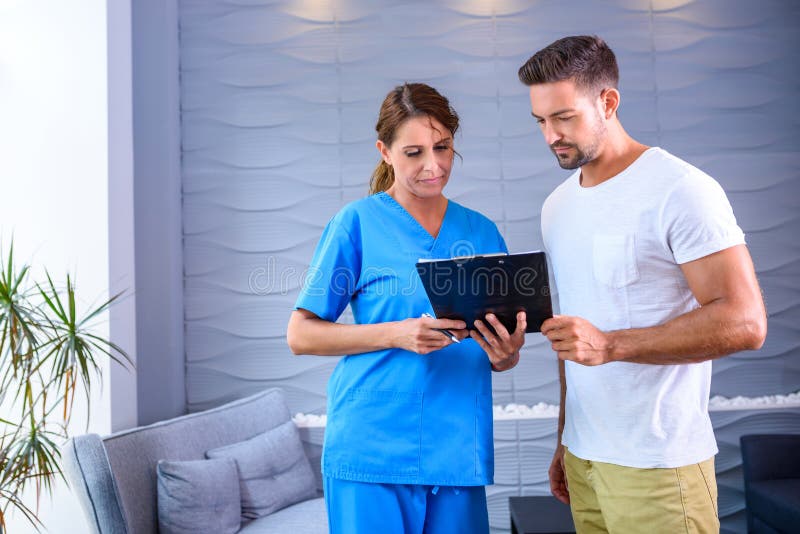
(412, 154)
(441, 147)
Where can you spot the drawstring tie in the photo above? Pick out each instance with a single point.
(435, 490)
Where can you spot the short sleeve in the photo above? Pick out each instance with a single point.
(501, 243)
(333, 273)
(490, 237)
(697, 219)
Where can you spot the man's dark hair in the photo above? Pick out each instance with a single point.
(585, 59)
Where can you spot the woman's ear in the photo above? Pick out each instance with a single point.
(384, 150)
(609, 99)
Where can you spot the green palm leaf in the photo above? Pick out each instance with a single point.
(48, 351)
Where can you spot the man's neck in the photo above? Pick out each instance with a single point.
(619, 152)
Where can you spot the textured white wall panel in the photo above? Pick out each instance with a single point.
(279, 100)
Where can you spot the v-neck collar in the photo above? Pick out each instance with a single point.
(389, 200)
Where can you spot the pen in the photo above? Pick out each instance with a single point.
(446, 332)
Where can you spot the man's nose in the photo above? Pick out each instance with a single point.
(551, 135)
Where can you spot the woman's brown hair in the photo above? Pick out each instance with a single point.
(402, 103)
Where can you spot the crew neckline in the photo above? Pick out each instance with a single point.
(617, 178)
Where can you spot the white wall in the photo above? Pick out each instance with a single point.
(157, 193)
(54, 174)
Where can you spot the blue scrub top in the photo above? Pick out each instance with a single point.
(395, 416)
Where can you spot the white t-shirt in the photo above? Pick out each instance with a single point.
(615, 250)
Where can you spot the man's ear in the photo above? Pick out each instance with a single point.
(609, 100)
(384, 150)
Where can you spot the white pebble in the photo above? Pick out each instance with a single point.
(544, 410)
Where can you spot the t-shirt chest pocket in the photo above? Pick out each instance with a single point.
(614, 259)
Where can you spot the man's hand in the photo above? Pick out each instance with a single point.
(578, 340)
(558, 476)
(503, 348)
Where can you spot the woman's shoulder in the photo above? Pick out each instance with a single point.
(474, 217)
(354, 209)
(352, 215)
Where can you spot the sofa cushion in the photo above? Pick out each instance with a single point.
(274, 472)
(198, 496)
(776, 502)
(307, 517)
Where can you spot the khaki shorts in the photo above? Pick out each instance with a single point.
(627, 500)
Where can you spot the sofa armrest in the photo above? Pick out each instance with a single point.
(89, 474)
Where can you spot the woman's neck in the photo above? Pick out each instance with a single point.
(428, 212)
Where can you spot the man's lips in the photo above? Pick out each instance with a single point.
(561, 152)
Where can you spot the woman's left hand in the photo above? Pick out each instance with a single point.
(502, 348)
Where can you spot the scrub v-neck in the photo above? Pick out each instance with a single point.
(429, 238)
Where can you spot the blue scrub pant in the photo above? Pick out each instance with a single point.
(370, 508)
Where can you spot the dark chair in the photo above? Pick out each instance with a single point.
(771, 468)
(540, 514)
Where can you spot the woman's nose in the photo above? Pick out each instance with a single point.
(431, 163)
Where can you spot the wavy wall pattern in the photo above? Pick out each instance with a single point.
(278, 103)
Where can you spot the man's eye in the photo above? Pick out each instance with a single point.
(565, 119)
(539, 121)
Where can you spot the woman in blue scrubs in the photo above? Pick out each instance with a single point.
(408, 444)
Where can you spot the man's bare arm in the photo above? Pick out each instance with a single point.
(731, 318)
(562, 382)
(557, 471)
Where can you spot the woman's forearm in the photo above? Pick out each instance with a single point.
(308, 334)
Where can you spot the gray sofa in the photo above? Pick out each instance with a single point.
(115, 476)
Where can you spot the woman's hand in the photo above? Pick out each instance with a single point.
(503, 348)
(418, 335)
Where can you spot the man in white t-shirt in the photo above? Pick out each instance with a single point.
(654, 281)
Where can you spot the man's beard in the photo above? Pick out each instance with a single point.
(583, 155)
(573, 161)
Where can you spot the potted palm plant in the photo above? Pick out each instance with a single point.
(48, 352)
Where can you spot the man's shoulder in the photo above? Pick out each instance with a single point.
(683, 178)
(564, 188)
(671, 166)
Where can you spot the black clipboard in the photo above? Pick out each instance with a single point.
(467, 288)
